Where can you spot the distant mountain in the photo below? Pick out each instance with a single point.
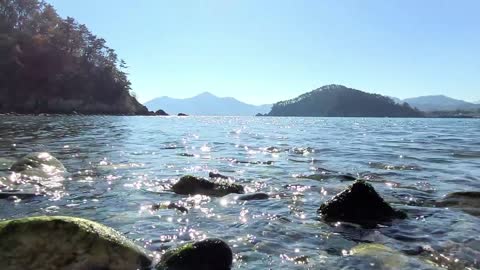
(338, 101)
(206, 104)
(440, 103)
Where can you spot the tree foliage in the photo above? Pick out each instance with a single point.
(43, 56)
(338, 100)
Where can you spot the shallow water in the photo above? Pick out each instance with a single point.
(119, 166)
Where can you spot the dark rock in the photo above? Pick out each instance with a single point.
(190, 185)
(467, 201)
(170, 206)
(186, 155)
(45, 243)
(19, 195)
(209, 254)
(217, 175)
(182, 114)
(254, 196)
(161, 112)
(326, 176)
(360, 204)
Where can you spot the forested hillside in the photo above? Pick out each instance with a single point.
(341, 101)
(53, 65)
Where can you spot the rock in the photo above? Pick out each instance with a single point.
(382, 255)
(160, 112)
(208, 254)
(326, 176)
(182, 114)
(190, 185)
(467, 201)
(20, 195)
(217, 175)
(169, 206)
(254, 196)
(360, 204)
(41, 165)
(66, 243)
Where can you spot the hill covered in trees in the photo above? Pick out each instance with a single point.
(340, 101)
(53, 65)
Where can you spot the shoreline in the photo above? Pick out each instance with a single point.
(154, 114)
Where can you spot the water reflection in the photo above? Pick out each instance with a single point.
(121, 170)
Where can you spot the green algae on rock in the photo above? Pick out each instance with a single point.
(360, 204)
(57, 242)
(208, 254)
(191, 185)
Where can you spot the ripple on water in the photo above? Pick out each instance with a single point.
(122, 169)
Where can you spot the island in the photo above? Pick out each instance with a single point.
(53, 65)
(340, 101)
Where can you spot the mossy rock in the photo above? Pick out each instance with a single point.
(38, 164)
(209, 254)
(382, 255)
(360, 204)
(190, 185)
(56, 242)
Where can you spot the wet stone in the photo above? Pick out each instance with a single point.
(254, 196)
(208, 254)
(190, 185)
(42, 165)
(44, 243)
(217, 175)
(467, 201)
(360, 204)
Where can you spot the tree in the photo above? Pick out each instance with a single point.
(43, 56)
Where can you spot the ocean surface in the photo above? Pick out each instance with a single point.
(120, 166)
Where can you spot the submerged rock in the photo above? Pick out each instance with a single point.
(18, 194)
(191, 185)
(209, 254)
(254, 196)
(172, 205)
(217, 175)
(39, 164)
(326, 176)
(66, 243)
(383, 256)
(360, 204)
(467, 201)
(182, 114)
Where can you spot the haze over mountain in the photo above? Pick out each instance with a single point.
(340, 101)
(206, 104)
(440, 103)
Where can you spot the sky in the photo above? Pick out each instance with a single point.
(265, 51)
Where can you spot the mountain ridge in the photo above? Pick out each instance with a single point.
(431, 103)
(206, 103)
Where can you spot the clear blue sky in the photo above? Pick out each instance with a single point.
(266, 51)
